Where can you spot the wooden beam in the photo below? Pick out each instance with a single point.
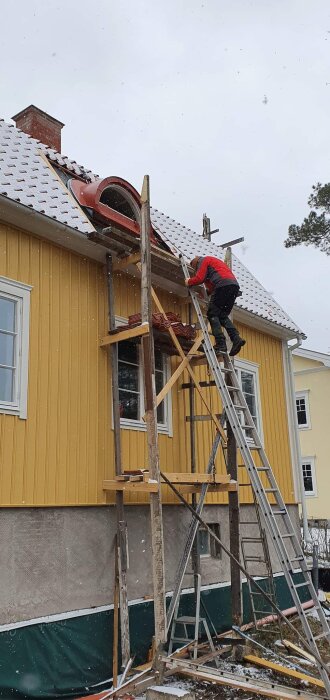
(157, 537)
(122, 263)
(289, 672)
(298, 650)
(130, 486)
(212, 488)
(115, 619)
(190, 370)
(177, 373)
(196, 478)
(120, 511)
(128, 334)
(268, 689)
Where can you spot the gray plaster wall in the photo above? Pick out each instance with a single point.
(54, 560)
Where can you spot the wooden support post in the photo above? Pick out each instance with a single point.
(115, 638)
(121, 525)
(157, 538)
(233, 500)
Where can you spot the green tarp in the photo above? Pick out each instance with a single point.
(70, 657)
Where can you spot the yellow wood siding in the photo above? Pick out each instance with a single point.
(63, 451)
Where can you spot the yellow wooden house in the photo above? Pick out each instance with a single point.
(58, 222)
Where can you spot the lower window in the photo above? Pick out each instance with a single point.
(131, 387)
(208, 546)
(308, 470)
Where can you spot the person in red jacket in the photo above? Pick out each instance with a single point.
(223, 288)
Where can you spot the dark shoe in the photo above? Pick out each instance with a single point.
(220, 348)
(237, 346)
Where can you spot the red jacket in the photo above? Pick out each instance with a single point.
(213, 273)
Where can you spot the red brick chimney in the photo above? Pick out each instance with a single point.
(40, 125)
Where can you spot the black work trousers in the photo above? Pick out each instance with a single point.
(220, 305)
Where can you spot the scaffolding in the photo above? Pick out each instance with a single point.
(230, 434)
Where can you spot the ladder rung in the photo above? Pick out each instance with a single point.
(300, 558)
(262, 469)
(288, 534)
(183, 640)
(300, 585)
(271, 490)
(239, 408)
(227, 369)
(280, 512)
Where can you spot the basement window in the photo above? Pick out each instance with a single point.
(208, 547)
(131, 388)
(14, 346)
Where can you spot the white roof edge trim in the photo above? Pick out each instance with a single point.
(322, 357)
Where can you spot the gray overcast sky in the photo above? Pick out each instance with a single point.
(225, 103)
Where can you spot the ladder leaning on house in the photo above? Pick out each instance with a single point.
(266, 491)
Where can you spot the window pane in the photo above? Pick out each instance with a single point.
(159, 360)
(301, 411)
(204, 542)
(308, 477)
(6, 349)
(129, 405)
(128, 376)
(159, 379)
(128, 351)
(6, 384)
(7, 314)
(247, 382)
(248, 388)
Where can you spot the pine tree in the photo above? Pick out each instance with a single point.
(315, 229)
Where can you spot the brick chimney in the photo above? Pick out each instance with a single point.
(40, 125)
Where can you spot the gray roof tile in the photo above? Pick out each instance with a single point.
(39, 178)
(26, 177)
(255, 298)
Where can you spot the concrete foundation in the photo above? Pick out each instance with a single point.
(54, 560)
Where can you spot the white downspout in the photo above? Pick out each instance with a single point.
(295, 432)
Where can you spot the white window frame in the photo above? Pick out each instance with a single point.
(311, 461)
(20, 293)
(304, 395)
(165, 428)
(253, 368)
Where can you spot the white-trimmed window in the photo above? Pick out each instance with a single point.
(14, 346)
(302, 408)
(131, 388)
(309, 479)
(248, 376)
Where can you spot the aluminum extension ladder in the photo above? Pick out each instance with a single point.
(276, 516)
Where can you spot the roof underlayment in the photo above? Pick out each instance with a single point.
(27, 177)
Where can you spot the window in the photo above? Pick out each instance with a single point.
(308, 470)
(302, 407)
(208, 547)
(131, 384)
(14, 346)
(247, 374)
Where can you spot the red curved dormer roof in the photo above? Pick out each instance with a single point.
(90, 195)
